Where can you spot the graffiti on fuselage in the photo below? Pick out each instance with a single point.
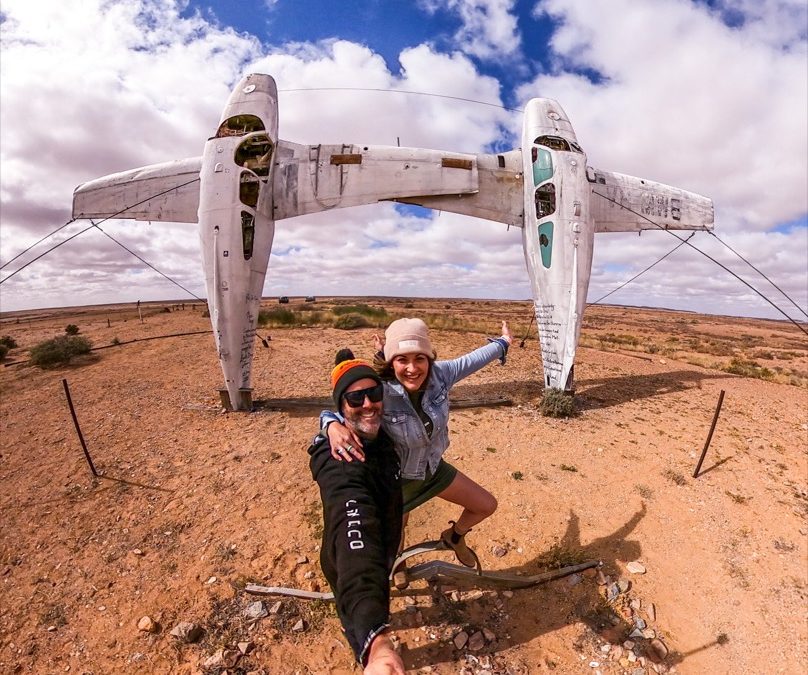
(247, 344)
(550, 334)
(660, 206)
(617, 196)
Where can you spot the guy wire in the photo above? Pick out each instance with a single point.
(706, 255)
(117, 213)
(761, 274)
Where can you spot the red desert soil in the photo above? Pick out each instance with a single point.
(194, 503)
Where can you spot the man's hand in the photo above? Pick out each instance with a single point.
(383, 658)
(345, 444)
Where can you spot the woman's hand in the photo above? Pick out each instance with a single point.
(378, 342)
(506, 333)
(345, 444)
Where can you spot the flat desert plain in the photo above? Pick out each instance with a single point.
(193, 503)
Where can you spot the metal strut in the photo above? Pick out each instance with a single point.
(438, 570)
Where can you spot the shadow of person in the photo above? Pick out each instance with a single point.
(531, 612)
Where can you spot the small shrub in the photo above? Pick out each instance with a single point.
(556, 403)
(738, 499)
(8, 341)
(376, 313)
(569, 467)
(490, 449)
(277, 316)
(116, 341)
(748, 369)
(166, 310)
(3, 351)
(351, 321)
(311, 318)
(675, 476)
(59, 350)
(72, 329)
(517, 475)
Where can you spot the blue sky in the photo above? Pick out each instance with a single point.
(386, 27)
(709, 97)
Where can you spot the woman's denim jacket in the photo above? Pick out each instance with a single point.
(415, 448)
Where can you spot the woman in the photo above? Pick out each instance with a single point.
(416, 416)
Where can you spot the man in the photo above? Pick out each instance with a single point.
(361, 517)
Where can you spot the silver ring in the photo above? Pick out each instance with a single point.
(341, 451)
(348, 448)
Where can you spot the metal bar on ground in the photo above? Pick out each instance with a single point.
(437, 570)
(78, 429)
(710, 435)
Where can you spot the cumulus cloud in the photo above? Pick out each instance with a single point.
(697, 97)
(686, 96)
(704, 106)
(488, 29)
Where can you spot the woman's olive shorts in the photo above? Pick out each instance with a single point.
(417, 492)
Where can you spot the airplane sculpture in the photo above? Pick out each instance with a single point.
(247, 178)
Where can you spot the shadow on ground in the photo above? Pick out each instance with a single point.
(534, 612)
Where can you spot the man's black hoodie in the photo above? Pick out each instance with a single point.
(361, 533)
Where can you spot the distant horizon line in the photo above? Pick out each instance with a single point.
(18, 312)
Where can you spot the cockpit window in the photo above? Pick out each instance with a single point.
(575, 147)
(247, 233)
(542, 165)
(545, 200)
(255, 153)
(249, 186)
(239, 125)
(553, 142)
(546, 244)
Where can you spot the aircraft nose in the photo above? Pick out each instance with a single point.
(544, 116)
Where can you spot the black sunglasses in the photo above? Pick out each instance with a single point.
(356, 399)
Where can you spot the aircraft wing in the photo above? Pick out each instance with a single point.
(167, 192)
(623, 203)
(311, 178)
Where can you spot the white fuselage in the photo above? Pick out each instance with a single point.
(557, 234)
(236, 225)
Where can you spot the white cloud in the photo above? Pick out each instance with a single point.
(700, 105)
(779, 23)
(488, 30)
(686, 100)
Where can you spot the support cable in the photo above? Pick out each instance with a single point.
(90, 227)
(61, 227)
(761, 274)
(403, 91)
(147, 263)
(678, 246)
(706, 255)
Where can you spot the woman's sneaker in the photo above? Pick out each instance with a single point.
(457, 543)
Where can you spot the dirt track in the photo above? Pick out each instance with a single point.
(190, 494)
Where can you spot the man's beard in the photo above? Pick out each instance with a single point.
(365, 428)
